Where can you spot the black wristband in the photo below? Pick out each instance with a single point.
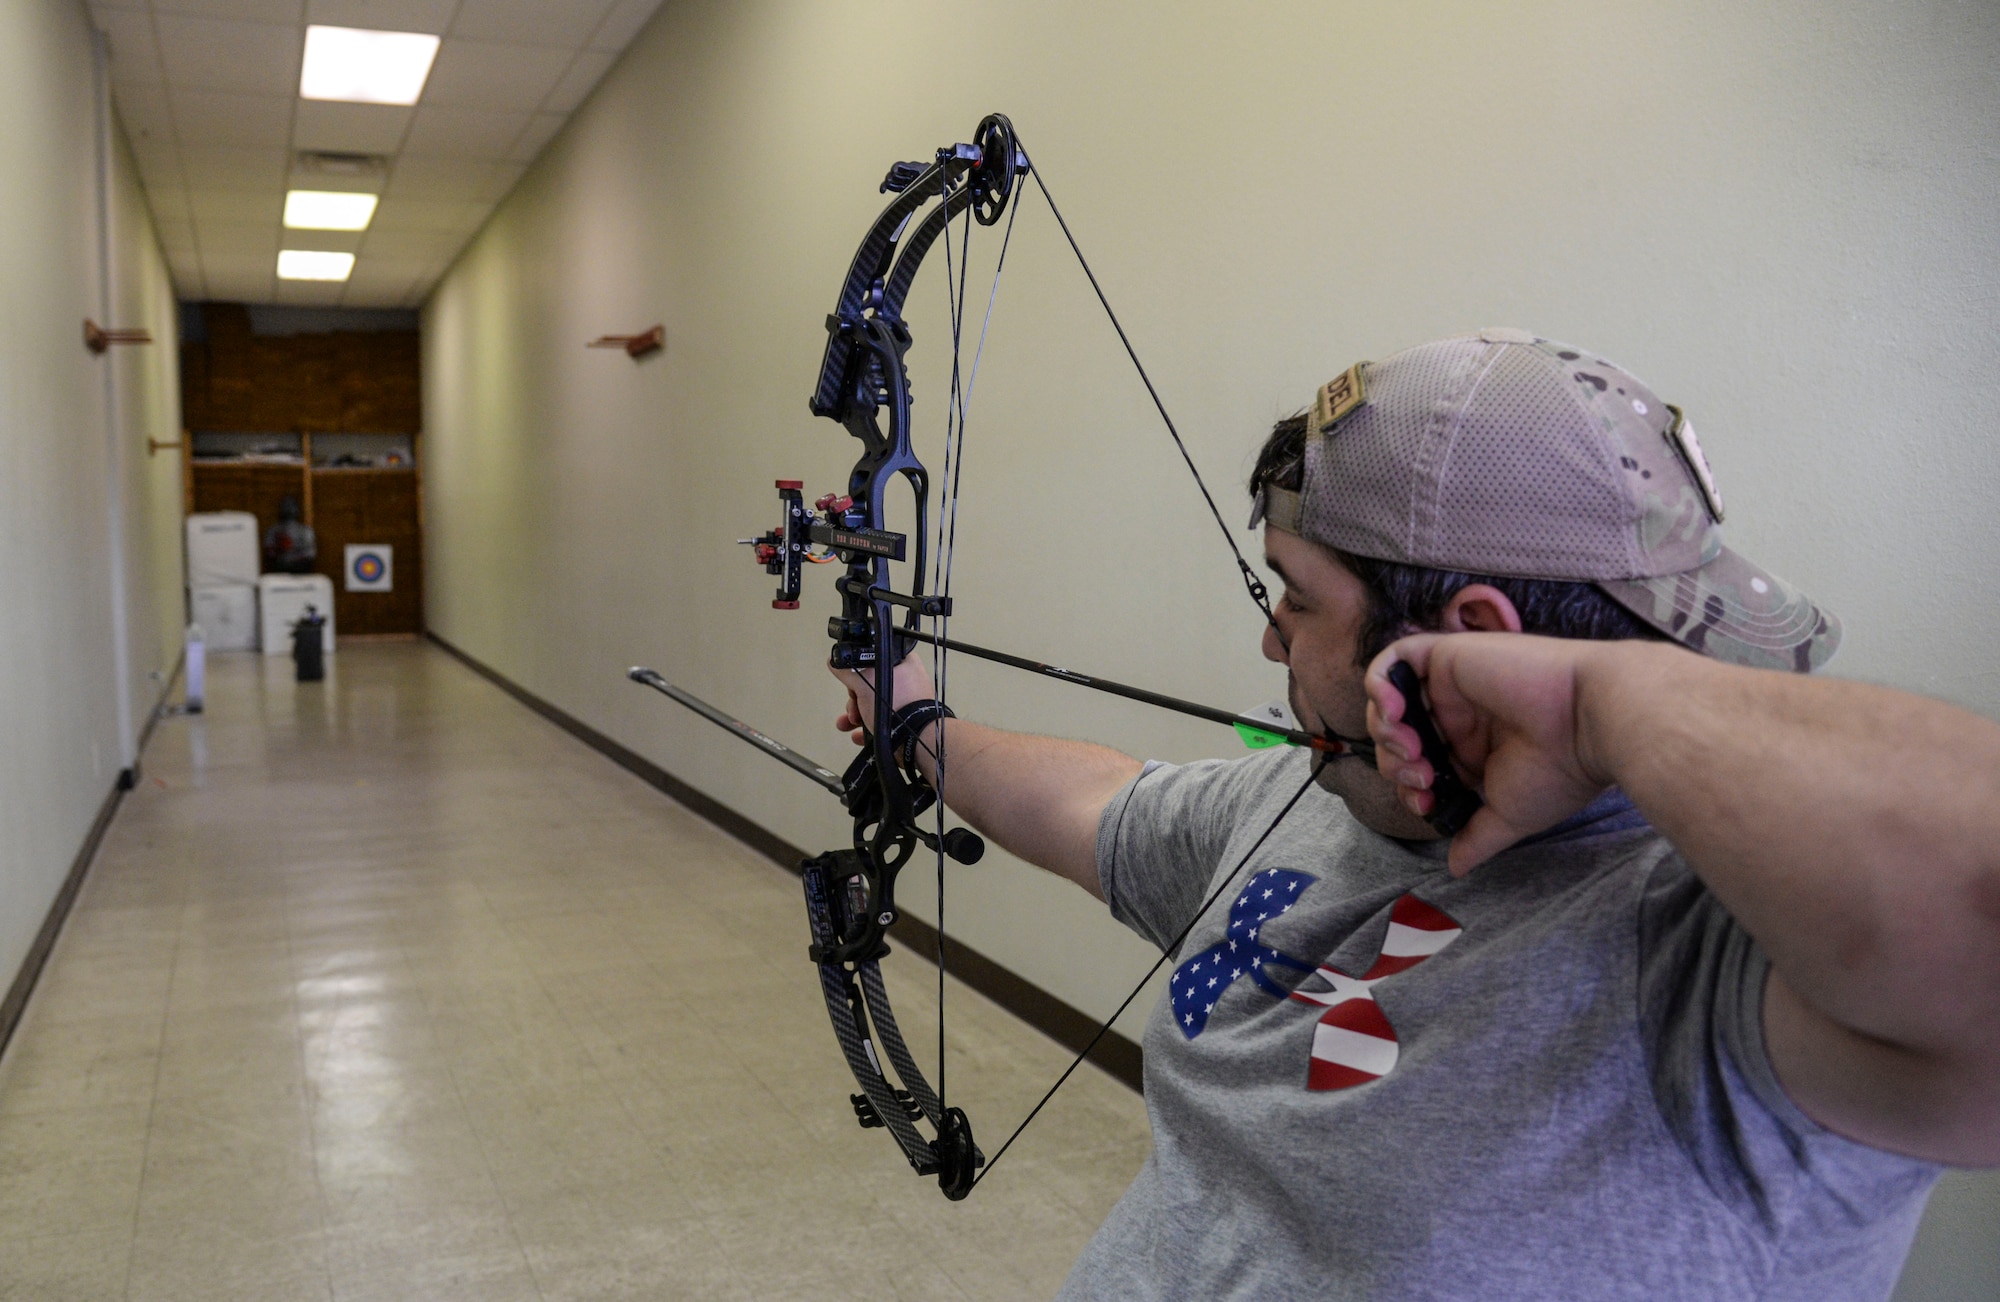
(908, 724)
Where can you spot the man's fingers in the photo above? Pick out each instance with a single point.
(1479, 840)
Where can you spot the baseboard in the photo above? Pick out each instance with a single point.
(1067, 1026)
(15, 1003)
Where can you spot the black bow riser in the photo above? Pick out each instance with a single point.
(864, 386)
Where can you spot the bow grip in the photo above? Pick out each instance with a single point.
(1453, 803)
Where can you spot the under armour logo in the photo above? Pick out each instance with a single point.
(1199, 982)
(1354, 1043)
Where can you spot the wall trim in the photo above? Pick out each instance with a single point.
(15, 1004)
(1066, 1025)
(16, 1001)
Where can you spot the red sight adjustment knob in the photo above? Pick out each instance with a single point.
(833, 503)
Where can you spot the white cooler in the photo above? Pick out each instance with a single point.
(283, 598)
(222, 548)
(227, 614)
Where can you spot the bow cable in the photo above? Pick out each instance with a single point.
(957, 404)
(1227, 880)
(1258, 592)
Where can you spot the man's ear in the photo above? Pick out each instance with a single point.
(1481, 608)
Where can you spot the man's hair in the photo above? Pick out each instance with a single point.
(1402, 596)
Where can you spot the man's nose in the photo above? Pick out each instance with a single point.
(1274, 646)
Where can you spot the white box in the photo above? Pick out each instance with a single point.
(223, 547)
(227, 614)
(283, 598)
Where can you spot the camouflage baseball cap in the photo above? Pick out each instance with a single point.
(1507, 454)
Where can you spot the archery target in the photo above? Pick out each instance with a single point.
(371, 567)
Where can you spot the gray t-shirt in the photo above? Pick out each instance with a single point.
(1544, 1080)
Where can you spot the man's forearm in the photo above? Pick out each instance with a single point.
(1037, 797)
(1853, 830)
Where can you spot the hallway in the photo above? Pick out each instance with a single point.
(388, 988)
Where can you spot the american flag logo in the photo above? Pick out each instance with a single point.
(1354, 1043)
(1199, 982)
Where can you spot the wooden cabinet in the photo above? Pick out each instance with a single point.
(354, 392)
(343, 504)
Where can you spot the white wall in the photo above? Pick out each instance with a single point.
(1781, 215)
(60, 728)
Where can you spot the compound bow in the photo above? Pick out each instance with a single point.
(851, 892)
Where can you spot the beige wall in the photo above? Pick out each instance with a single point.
(1781, 215)
(84, 512)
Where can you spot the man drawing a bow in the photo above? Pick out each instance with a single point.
(1695, 1006)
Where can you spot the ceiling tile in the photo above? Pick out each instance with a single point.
(169, 204)
(463, 133)
(221, 168)
(258, 11)
(181, 252)
(310, 293)
(159, 164)
(350, 128)
(453, 178)
(186, 271)
(300, 178)
(135, 57)
(428, 215)
(224, 54)
(176, 233)
(326, 241)
(529, 22)
(368, 294)
(143, 110)
(622, 24)
(413, 246)
(392, 278)
(400, 270)
(540, 130)
(230, 240)
(240, 285)
(207, 117)
(234, 207)
(226, 264)
(432, 16)
(486, 74)
(582, 78)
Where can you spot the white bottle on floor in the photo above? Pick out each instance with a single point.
(197, 669)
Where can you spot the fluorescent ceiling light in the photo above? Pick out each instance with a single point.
(304, 264)
(328, 210)
(364, 67)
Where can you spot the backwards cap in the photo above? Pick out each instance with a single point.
(1506, 454)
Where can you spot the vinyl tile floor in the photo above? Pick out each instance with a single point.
(387, 988)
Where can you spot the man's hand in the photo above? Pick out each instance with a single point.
(1852, 830)
(911, 682)
(1506, 705)
(1036, 797)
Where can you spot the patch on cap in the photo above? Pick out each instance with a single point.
(1681, 436)
(1338, 397)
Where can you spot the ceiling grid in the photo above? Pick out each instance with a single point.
(208, 92)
